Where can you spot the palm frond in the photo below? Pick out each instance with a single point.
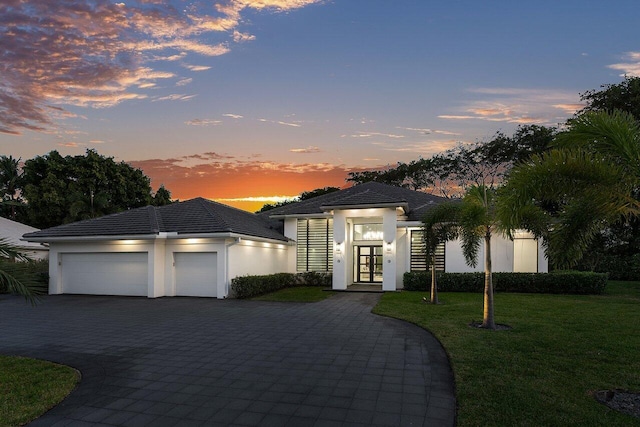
(17, 278)
(440, 224)
(614, 134)
(567, 196)
(11, 251)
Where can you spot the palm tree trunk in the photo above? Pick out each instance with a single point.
(488, 321)
(434, 284)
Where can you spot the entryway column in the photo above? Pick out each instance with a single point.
(389, 224)
(340, 251)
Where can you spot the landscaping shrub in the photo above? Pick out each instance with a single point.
(251, 286)
(315, 278)
(557, 282)
(619, 267)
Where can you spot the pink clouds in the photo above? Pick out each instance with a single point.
(96, 53)
(519, 106)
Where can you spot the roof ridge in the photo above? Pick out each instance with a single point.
(206, 204)
(153, 219)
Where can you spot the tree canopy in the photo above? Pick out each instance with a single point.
(573, 192)
(623, 96)
(58, 190)
(303, 196)
(451, 173)
(10, 183)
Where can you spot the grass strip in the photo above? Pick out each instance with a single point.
(543, 372)
(29, 388)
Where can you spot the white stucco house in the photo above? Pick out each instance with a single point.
(12, 232)
(366, 234)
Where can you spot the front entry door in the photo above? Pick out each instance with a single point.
(369, 264)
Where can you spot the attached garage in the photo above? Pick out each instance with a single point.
(196, 273)
(104, 273)
(180, 249)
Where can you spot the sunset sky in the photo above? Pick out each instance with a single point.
(244, 101)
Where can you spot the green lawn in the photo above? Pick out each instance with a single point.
(29, 388)
(296, 294)
(543, 371)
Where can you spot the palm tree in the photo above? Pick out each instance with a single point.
(474, 221)
(16, 277)
(439, 226)
(569, 194)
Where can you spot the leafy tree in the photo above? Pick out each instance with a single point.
(303, 196)
(617, 244)
(60, 189)
(570, 194)
(624, 96)
(10, 183)
(162, 197)
(16, 277)
(449, 174)
(474, 221)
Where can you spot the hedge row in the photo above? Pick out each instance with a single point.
(252, 286)
(559, 282)
(619, 267)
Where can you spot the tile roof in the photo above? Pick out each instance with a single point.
(195, 216)
(370, 194)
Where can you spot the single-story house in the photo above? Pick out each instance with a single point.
(366, 234)
(11, 232)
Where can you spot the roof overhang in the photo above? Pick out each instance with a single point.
(402, 205)
(172, 236)
(302, 215)
(401, 224)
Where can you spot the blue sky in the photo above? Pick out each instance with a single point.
(240, 99)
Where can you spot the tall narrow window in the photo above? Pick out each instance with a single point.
(418, 258)
(315, 245)
(525, 254)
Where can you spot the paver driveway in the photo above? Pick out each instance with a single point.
(192, 361)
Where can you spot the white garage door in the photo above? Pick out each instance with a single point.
(101, 273)
(196, 273)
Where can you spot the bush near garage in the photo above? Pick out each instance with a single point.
(557, 282)
(252, 286)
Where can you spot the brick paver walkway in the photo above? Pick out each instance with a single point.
(199, 361)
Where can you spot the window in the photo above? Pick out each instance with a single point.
(418, 259)
(367, 232)
(525, 255)
(315, 245)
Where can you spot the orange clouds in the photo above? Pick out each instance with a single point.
(95, 53)
(245, 184)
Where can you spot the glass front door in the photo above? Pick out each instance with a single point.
(369, 264)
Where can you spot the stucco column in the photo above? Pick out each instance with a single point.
(55, 272)
(340, 249)
(156, 277)
(389, 225)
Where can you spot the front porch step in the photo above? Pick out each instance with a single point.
(360, 288)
